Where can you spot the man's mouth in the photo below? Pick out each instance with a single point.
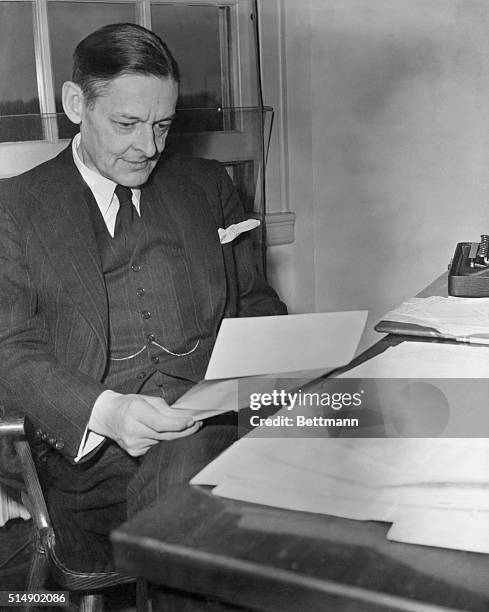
(138, 164)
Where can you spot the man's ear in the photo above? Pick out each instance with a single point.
(73, 101)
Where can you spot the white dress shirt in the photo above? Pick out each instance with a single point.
(102, 189)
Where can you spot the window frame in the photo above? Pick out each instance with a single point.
(238, 58)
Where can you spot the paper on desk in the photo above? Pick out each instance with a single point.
(299, 455)
(424, 389)
(459, 529)
(426, 360)
(253, 346)
(282, 473)
(376, 461)
(358, 507)
(384, 479)
(451, 316)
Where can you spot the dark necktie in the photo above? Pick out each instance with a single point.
(124, 222)
(125, 214)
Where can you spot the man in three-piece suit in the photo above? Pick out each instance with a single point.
(113, 287)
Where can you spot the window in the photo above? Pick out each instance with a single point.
(37, 39)
(202, 56)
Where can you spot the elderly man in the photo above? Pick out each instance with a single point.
(113, 287)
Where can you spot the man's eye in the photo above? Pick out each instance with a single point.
(163, 127)
(124, 126)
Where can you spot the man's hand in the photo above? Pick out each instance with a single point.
(137, 422)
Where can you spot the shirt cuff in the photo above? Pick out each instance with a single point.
(90, 439)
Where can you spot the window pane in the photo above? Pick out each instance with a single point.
(69, 23)
(18, 84)
(194, 34)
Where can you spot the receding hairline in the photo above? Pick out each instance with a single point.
(119, 49)
(97, 87)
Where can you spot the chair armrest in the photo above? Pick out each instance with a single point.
(12, 428)
(34, 500)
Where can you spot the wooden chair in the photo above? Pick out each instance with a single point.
(45, 562)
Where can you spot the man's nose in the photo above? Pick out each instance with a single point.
(146, 141)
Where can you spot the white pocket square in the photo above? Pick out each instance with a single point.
(233, 231)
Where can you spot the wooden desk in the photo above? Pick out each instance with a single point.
(270, 559)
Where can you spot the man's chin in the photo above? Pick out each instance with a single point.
(136, 177)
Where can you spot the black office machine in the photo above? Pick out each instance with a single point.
(468, 272)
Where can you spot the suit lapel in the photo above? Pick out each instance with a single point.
(64, 227)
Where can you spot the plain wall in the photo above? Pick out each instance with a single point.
(388, 146)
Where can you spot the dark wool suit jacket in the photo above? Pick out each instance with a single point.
(53, 302)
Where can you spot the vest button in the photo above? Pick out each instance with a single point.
(140, 292)
(145, 314)
(136, 268)
(150, 337)
(155, 359)
(141, 375)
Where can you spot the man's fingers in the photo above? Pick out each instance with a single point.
(140, 446)
(173, 435)
(157, 436)
(167, 418)
(146, 414)
(164, 408)
(160, 423)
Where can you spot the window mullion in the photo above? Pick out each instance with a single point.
(44, 71)
(143, 13)
(224, 41)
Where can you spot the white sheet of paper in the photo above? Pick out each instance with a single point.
(374, 461)
(426, 360)
(209, 398)
(452, 316)
(459, 529)
(316, 501)
(416, 484)
(325, 457)
(251, 346)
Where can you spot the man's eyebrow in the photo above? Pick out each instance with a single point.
(170, 118)
(136, 118)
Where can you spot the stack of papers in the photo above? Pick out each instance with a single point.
(451, 317)
(427, 389)
(434, 491)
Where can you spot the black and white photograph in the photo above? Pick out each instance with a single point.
(244, 305)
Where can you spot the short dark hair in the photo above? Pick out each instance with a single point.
(117, 49)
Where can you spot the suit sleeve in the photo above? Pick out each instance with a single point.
(255, 297)
(57, 399)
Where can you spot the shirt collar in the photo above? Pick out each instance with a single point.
(101, 187)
